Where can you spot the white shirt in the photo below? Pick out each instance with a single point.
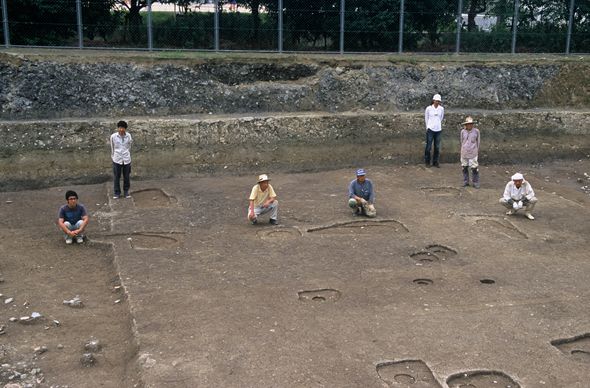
(525, 191)
(121, 148)
(433, 117)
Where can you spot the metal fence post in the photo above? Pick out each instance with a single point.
(280, 26)
(342, 7)
(459, 25)
(400, 43)
(149, 26)
(79, 20)
(515, 25)
(570, 25)
(5, 24)
(216, 26)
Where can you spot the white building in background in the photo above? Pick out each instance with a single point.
(483, 22)
(201, 6)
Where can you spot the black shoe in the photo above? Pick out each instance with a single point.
(427, 164)
(273, 222)
(254, 221)
(435, 164)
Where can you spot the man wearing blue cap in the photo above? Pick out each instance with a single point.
(361, 195)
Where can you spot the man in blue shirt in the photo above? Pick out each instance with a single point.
(73, 218)
(361, 195)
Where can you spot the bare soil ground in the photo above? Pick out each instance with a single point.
(441, 289)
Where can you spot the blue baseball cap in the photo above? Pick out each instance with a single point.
(360, 172)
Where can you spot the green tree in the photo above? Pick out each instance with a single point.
(255, 6)
(430, 17)
(372, 25)
(54, 22)
(98, 18)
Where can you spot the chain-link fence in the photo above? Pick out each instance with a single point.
(428, 26)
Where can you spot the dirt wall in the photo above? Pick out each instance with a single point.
(33, 88)
(36, 153)
(235, 115)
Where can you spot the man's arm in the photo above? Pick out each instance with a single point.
(351, 193)
(507, 192)
(112, 147)
(442, 114)
(272, 196)
(529, 193)
(426, 117)
(85, 220)
(62, 226)
(268, 201)
(372, 194)
(251, 214)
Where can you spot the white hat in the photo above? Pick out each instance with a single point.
(517, 177)
(262, 178)
(468, 120)
(437, 97)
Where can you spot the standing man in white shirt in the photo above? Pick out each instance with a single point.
(518, 194)
(433, 117)
(121, 156)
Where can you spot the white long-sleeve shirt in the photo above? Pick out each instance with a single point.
(518, 194)
(433, 117)
(121, 148)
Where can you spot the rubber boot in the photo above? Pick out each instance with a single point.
(475, 177)
(465, 176)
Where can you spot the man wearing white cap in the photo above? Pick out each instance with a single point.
(263, 199)
(469, 152)
(361, 195)
(518, 194)
(433, 117)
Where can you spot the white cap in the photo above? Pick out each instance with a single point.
(262, 178)
(517, 177)
(437, 97)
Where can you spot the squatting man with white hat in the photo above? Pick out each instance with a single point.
(518, 194)
(263, 199)
(361, 195)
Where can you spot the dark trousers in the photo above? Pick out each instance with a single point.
(126, 170)
(432, 137)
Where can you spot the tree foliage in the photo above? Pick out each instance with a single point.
(46, 22)
(370, 25)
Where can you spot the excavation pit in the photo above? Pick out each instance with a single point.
(279, 234)
(481, 379)
(578, 347)
(581, 355)
(151, 198)
(441, 251)
(505, 228)
(152, 241)
(319, 296)
(404, 379)
(406, 373)
(364, 227)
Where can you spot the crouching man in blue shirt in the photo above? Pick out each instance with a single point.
(73, 218)
(361, 195)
